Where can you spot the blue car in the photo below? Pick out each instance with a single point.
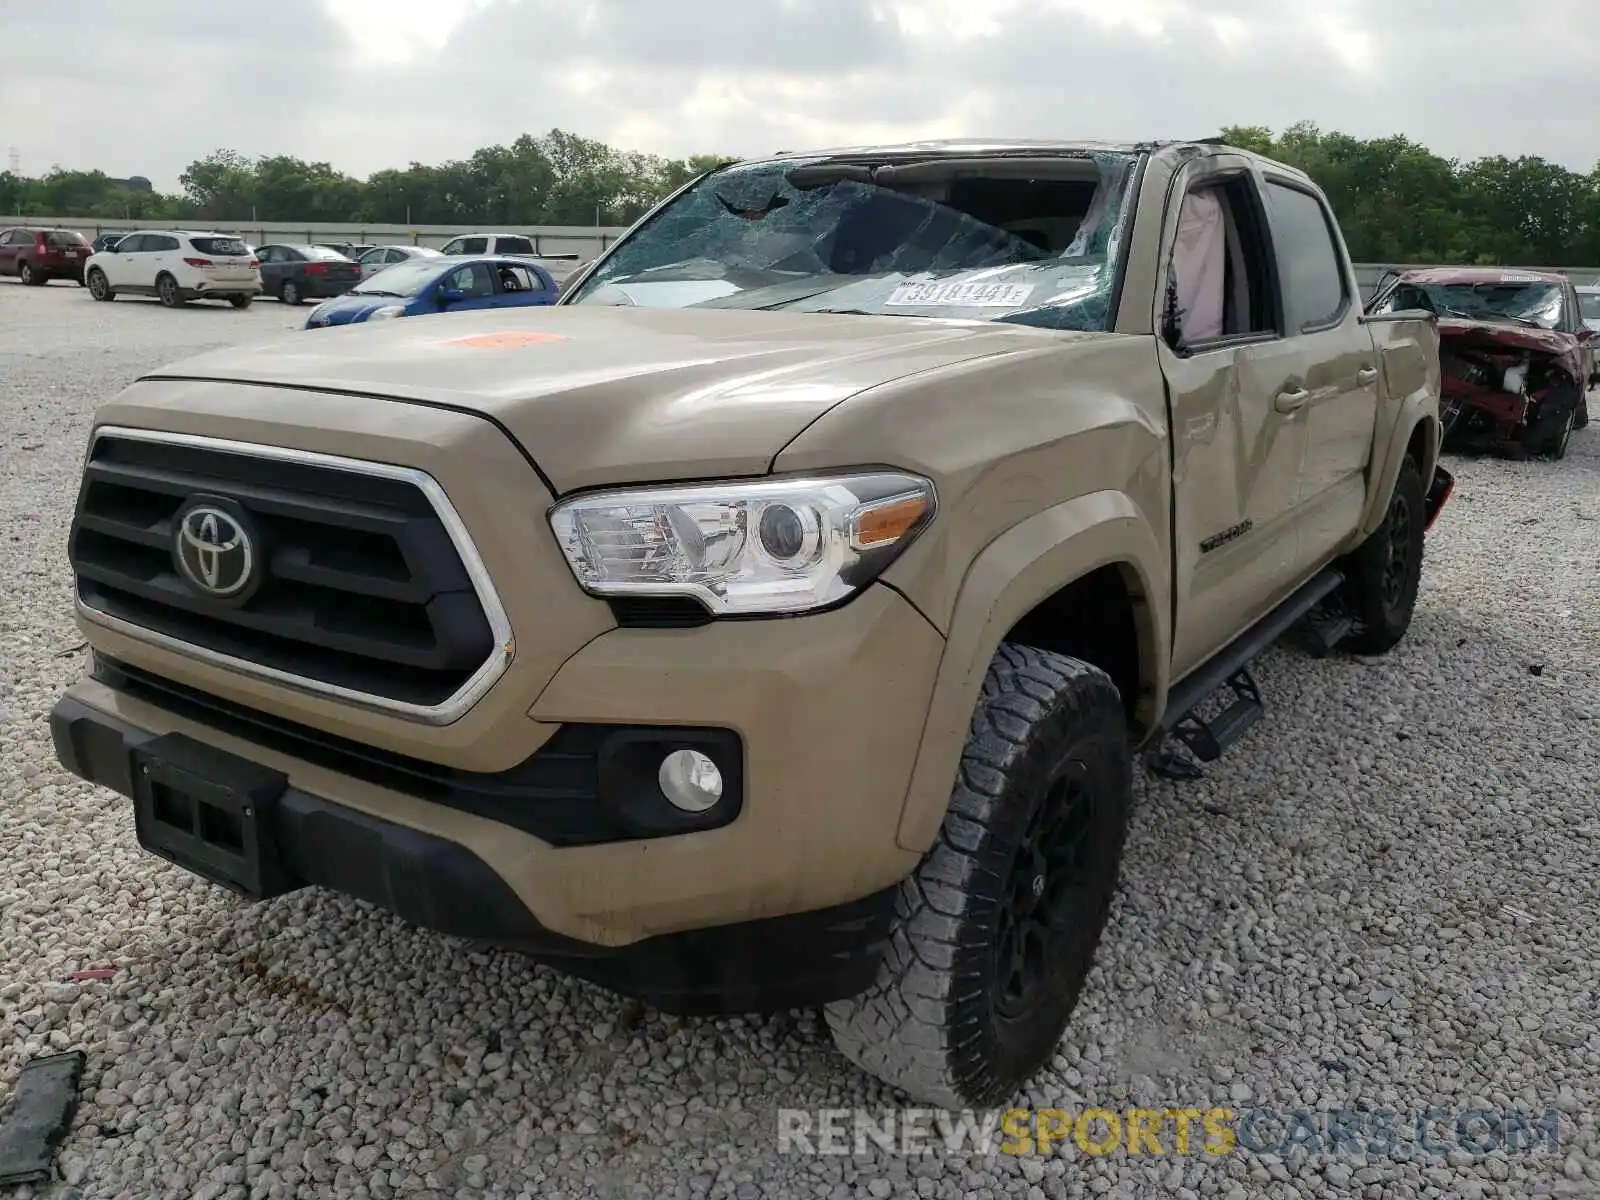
(421, 286)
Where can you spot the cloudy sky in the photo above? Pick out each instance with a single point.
(146, 86)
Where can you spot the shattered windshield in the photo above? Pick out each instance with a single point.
(1028, 240)
(1534, 304)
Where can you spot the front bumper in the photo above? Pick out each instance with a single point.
(298, 838)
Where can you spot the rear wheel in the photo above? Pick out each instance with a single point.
(240, 301)
(99, 286)
(289, 292)
(1382, 575)
(167, 290)
(995, 931)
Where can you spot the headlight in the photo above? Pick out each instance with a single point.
(386, 312)
(767, 546)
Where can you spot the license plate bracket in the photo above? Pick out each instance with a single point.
(210, 812)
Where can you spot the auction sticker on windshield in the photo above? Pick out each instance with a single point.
(960, 295)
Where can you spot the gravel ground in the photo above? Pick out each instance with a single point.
(1386, 897)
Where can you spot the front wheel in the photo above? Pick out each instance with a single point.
(1382, 574)
(995, 931)
(99, 286)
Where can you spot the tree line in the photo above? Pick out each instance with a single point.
(1396, 200)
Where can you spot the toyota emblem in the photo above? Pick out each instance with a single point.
(214, 552)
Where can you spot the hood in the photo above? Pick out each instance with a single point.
(341, 310)
(1506, 335)
(599, 394)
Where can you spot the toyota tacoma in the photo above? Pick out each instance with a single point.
(778, 619)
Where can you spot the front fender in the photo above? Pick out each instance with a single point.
(1027, 563)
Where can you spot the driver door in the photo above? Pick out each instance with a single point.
(1235, 389)
(475, 285)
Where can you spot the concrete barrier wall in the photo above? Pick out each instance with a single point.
(586, 241)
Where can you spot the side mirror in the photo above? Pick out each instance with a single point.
(449, 296)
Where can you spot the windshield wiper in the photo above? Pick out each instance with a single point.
(376, 292)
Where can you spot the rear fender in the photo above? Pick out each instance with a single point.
(1408, 353)
(1029, 562)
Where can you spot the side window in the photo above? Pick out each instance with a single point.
(11, 238)
(394, 256)
(474, 282)
(1219, 288)
(1309, 266)
(133, 244)
(513, 245)
(473, 245)
(517, 279)
(453, 246)
(160, 242)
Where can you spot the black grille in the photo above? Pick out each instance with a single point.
(361, 587)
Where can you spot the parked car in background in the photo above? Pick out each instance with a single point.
(560, 267)
(105, 241)
(294, 273)
(437, 284)
(1515, 355)
(379, 257)
(36, 256)
(1589, 305)
(351, 250)
(176, 266)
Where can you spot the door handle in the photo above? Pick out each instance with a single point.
(1287, 402)
(1366, 375)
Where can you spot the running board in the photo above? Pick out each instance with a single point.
(1209, 740)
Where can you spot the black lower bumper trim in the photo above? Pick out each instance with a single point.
(764, 965)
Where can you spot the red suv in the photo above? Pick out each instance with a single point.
(37, 256)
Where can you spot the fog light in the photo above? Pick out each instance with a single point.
(690, 780)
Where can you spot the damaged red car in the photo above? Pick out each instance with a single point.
(1516, 358)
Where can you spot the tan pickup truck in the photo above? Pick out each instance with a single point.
(776, 620)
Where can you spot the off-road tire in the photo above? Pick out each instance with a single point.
(1049, 732)
(100, 286)
(289, 292)
(240, 301)
(1383, 573)
(28, 277)
(167, 290)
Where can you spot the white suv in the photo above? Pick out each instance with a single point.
(176, 265)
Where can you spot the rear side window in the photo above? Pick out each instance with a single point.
(64, 238)
(1309, 267)
(471, 245)
(159, 241)
(513, 245)
(220, 245)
